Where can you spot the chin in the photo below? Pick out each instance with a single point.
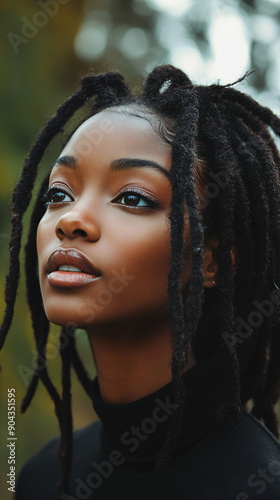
(63, 313)
(61, 319)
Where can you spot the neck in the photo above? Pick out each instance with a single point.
(132, 360)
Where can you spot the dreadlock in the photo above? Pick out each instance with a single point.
(216, 132)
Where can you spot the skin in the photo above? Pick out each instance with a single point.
(88, 211)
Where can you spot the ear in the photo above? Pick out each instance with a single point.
(210, 266)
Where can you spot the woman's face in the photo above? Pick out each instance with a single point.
(104, 243)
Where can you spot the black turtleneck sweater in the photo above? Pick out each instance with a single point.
(114, 458)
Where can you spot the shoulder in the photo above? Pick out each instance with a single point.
(255, 437)
(247, 440)
(255, 460)
(33, 477)
(233, 461)
(240, 462)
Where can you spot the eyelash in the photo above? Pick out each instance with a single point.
(46, 198)
(151, 203)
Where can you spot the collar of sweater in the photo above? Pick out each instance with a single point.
(140, 428)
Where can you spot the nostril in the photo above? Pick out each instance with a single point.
(73, 225)
(65, 233)
(80, 232)
(59, 232)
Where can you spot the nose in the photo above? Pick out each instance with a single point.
(75, 224)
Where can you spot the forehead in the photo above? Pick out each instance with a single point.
(117, 128)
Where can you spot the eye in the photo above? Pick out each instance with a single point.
(135, 199)
(56, 195)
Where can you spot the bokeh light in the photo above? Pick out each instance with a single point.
(134, 43)
(91, 40)
(171, 7)
(230, 47)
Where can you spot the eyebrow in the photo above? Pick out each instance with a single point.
(117, 165)
(66, 161)
(130, 163)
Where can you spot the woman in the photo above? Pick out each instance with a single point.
(159, 234)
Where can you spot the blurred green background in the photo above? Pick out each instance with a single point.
(45, 47)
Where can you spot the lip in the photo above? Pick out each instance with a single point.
(70, 257)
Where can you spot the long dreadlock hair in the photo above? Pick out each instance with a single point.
(216, 132)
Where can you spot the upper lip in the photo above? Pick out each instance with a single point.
(70, 257)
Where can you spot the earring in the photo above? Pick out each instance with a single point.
(210, 283)
(276, 286)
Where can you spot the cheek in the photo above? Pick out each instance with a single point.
(154, 260)
(45, 240)
(43, 235)
(149, 250)
(148, 261)
(41, 249)
(46, 231)
(40, 232)
(40, 238)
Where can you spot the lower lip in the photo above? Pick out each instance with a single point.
(70, 279)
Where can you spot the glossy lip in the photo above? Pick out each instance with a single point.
(71, 257)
